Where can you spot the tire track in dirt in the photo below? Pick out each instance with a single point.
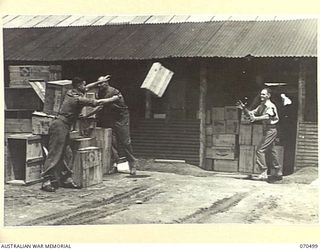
(84, 210)
(220, 206)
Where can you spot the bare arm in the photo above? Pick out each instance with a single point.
(95, 84)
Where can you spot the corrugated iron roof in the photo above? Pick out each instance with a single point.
(293, 38)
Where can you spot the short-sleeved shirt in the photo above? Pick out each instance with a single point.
(72, 105)
(267, 108)
(114, 111)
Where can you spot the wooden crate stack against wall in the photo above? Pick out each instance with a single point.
(222, 139)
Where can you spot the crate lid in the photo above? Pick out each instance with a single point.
(42, 114)
(24, 136)
(88, 149)
(60, 82)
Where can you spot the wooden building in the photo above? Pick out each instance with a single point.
(215, 63)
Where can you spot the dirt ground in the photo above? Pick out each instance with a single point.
(169, 193)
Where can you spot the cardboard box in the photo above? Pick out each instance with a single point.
(87, 169)
(54, 96)
(41, 123)
(218, 127)
(232, 126)
(223, 140)
(231, 113)
(221, 152)
(225, 165)
(217, 113)
(246, 158)
(245, 134)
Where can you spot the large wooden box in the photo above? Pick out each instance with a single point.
(157, 79)
(232, 126)
(217, 113)
(86, 126)
(257, 133)
(218, 126)
(208, 117)
(225, 165)
(21, 74)
(103, 137)
(245, 134)
(87, 109)
(227, 153)
(87, 170)
(54, 96)
(223, 140)
(209, 140)
(209, 129)
(209, 164)
(84, 142)
(41, 123)
(231, 113)
(25, 158)
(246, 158)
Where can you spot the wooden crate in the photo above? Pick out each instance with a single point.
(232, 126)
(18, 125)
(223, 140)
(22, 98)
(41, 123)
(209, 164)
(225, 165)
(21, 74)
(208, 117)
(218, 127)
(103, 137)
(227, 153)
(87, 169)
(245, 134)
(246, 158)
(86, 126)
(24, 158)
(83, 142)
(257, 133)
(231, 113)
(157, 79)
(209, 129)
(280, 153)
(217, 113)
(244, 119)
(209, 140)
(54, 96)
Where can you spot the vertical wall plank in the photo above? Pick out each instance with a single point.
(202, 112)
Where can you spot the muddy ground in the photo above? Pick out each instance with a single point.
(168, 193)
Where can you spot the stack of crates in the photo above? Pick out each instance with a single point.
(222, 139)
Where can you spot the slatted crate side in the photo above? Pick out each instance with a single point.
(41, 123)
(221, 152)
(209, 141)
(232, 126)
(209, 164)
(217, 114)
(225, 165)
(209, 130)
(87, 170)
(224, 140)
(22, 98)
(34, 170)
(246, 158)
(208, 117)
(245, 134)
(231, 113)
(218, 126)
(13, 125)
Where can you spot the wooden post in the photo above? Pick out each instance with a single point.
(301, 90)
(148, 105)
(202, 113)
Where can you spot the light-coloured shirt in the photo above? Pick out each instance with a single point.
(267, 108)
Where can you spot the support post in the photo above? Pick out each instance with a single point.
(202, 113)
(148, 112)
(301, 89)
